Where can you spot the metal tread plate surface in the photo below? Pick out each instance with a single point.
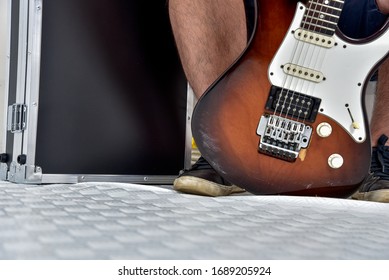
(127, 221)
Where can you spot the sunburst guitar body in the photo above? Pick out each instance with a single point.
(288, 117)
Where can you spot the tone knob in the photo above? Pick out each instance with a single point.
(324, 129)
(335, 161)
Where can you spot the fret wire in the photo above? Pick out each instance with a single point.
(326, 15)
(336, 5)
(322, 16)
(322, 20)
(322, 27)
(329, 7)
(340, 2)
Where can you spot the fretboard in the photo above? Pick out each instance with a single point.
(321, 16)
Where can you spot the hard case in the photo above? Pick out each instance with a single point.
(94, 92)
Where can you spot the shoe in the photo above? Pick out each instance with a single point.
(376, 186)
(202, 179)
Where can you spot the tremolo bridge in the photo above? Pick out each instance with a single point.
(280, 136)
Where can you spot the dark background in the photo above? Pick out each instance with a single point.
(112, 91)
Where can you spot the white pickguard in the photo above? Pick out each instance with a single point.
(344, 66)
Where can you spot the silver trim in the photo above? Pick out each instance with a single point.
(27, 174)
(21, 71)
(33, 79)
(24, 174)
(188, 140)
(3, 134)
(3, 171)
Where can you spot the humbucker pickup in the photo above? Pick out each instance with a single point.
(293, 104)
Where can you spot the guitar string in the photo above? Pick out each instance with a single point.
(315, 58)
(307, 56)
(287, 87)
(290, 90)
(312, 53)
(327, 23)
(328, 8)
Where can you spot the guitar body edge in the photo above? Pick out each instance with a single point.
(226, 118)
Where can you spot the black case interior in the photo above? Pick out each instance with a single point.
(112, 94)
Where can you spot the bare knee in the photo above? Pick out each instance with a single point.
(209, 36)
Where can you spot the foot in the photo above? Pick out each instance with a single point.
(202, 179)
(376, 185)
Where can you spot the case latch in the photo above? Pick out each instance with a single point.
(17, 116)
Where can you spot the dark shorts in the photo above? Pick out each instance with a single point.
(359, 19)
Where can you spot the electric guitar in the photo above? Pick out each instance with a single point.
(288, 116)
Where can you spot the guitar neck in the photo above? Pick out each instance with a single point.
(322, 16)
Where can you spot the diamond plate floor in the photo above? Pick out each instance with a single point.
(127, 221)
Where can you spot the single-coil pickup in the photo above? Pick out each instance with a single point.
(314, 38)
(303, 73)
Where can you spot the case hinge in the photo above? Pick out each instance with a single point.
(17, 116)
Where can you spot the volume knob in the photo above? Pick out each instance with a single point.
(324, 129)
(335, 161)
